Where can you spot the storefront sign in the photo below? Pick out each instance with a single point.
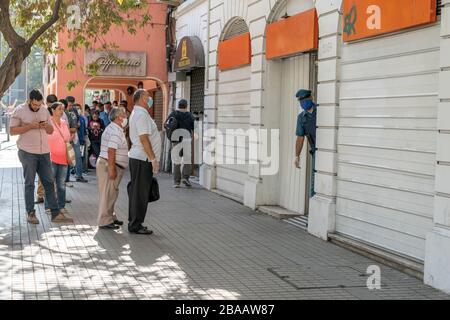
(368, 18)
(296, 34)
(118, 63)
(235, 52)
(190, 54)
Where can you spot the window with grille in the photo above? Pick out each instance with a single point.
(197, 90)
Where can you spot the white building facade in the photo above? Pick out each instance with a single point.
(382, 177)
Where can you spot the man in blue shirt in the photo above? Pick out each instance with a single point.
(104, 114)
(306, 127)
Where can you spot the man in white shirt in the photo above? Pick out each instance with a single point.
(144, 160)
(110, 168)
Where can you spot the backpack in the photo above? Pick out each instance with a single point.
(170, 126)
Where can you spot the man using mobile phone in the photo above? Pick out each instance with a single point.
(31, 122)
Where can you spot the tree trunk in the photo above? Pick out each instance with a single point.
(20, 49)
(12, 66)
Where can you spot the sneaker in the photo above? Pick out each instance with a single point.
(186, 183)
(177, 185)
(48, 211)
(61, 218)
(69, 184)
(82, 180)
(31, 218)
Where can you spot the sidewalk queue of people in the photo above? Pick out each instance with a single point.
(58, 134)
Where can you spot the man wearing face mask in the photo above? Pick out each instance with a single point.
(306, 127)
(110, 168)
(144, 160)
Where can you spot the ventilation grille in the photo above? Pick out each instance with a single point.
(159, 106)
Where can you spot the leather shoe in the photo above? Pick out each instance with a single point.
(118, 222)
(143, 231)
(111, 226)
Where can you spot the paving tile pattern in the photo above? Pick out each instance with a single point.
(204, 247)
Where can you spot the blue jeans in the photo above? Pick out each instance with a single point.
(40, 164)
(79, 163)
(59, 175)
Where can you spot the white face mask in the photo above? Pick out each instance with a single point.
(124, 122)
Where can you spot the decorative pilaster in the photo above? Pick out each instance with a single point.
(437, 252)
(322, 209)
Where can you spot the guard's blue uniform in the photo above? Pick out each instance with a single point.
(307, 127)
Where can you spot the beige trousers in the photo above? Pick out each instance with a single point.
(108, 191)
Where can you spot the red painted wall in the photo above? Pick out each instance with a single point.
(151, 40)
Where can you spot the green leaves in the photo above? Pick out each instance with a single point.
(98, 17)
(72, 84)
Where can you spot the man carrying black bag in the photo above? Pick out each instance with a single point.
(144, 161)
(180, 127)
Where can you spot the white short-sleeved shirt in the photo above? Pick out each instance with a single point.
(140, 124)
(113, 137)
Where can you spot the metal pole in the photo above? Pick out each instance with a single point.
(7, 128)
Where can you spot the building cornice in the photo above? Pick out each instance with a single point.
(187, 6)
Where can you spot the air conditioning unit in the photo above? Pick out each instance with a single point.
(173, 3)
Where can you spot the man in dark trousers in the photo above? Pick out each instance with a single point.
(185, 121)
(144, 161)
(306, 127)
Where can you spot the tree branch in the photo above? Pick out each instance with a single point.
(47, 25)
(6, 28)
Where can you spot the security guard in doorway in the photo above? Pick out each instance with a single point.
(306, 127)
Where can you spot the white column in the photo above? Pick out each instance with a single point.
(322, 210)
(437, 251)
(215, 9)
(256, 20)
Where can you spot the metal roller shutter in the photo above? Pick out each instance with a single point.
(387, 140)
(293, 190)
(233, 113)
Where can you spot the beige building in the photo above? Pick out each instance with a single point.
(383, 137)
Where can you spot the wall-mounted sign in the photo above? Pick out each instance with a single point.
(235, 52)
(296, 34)
(190, 54)
(368, 18)
(117, 63)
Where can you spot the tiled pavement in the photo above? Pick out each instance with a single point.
(204, 247)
